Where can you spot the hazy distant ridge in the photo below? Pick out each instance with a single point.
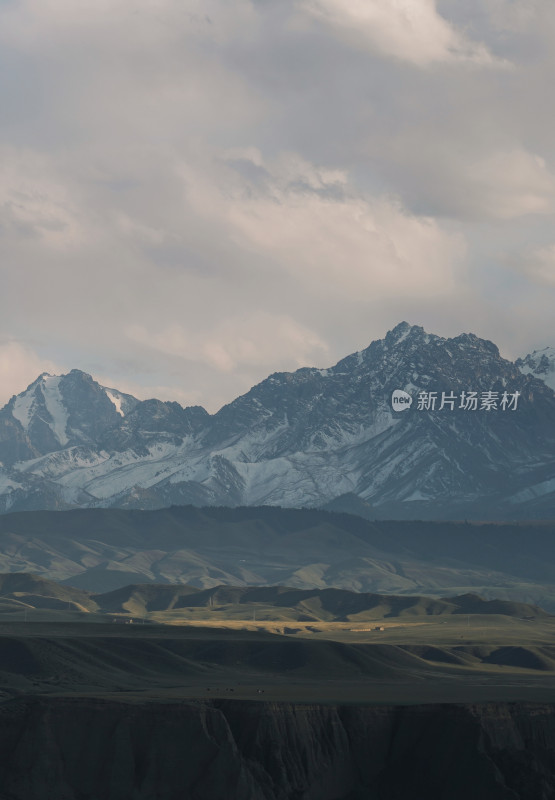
(102, 550)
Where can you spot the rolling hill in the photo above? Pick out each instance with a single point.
(272, 602)
(100, 550)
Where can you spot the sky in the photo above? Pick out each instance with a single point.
(195, 194)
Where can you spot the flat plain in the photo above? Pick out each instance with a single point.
(193, 653)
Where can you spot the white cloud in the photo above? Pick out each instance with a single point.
(252, 186)
(410, 30)
(491, 182)
(315, 225)
(506, 185)
(252, 340)
(35, 201)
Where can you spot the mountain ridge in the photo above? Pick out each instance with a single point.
(299, 439)
(101, 550)
(329, 604)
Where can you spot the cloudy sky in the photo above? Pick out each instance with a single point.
(197, 193)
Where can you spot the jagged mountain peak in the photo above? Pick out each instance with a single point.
(318, 408)
(410, 356)
(47, 378)
(402, 331)
(406, 337)
(60, 411)
(296, 438)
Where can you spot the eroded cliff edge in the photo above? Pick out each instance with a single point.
(95, 749)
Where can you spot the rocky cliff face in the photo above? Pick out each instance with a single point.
(87, 749)
(302, 438)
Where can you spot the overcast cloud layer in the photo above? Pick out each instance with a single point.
(196, 194)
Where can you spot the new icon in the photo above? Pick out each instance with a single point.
(400, 400)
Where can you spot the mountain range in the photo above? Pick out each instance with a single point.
(303, 439)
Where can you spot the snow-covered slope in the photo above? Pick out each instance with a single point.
(58, 411)
(541, 364)
(298, 439)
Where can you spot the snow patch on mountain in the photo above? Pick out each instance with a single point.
(55, 465)
(56, 408)
(546, 487)
(404, 333)
(23, 408)
(540, 364)
(296, 480)
(7, 484)
(103, 475)
(116, 400)
(27, 406)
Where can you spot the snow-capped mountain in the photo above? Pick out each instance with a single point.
(57, 412)
(300, 439)
(541, 364)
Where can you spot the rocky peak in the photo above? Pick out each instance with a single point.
(58, 411)
(402, 332)
(541, 364)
